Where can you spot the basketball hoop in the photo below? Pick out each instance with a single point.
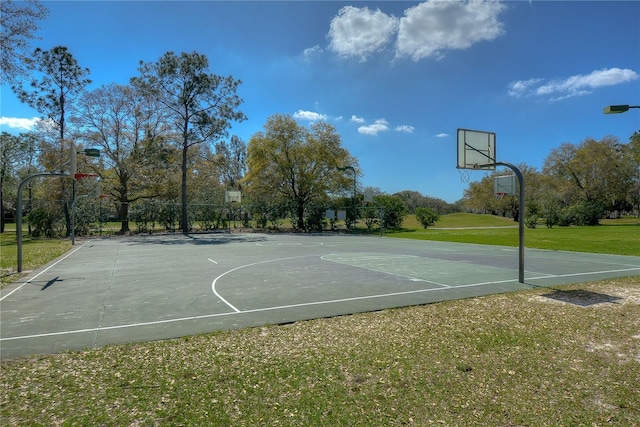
(84, 175)
(500, 196)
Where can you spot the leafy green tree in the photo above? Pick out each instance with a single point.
(594, 176)
(128, 129)
(479, 197)
(544, 200)
(18, 24)
(231, 158)
(632, 151)
(9, 153)
(58, 82)
(29, 164)
(200, 106)
(413, 200)
(393, 208)
(426, 216)
(291, 164)
(206, 189)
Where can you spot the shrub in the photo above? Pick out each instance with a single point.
(588, 213)
(426, 216)
(566, 217)
(314, 221)
(394, 211)
(42, 222)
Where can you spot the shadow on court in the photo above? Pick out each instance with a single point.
(192, 239)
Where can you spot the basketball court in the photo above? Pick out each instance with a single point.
(118, 290)
(129, 289)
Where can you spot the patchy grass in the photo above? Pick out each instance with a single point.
(526, 358)
(35, 253)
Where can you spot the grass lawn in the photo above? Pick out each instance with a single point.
(462, 220)
(619, 238)
(524, 358)
(35, 253)
(565, 356)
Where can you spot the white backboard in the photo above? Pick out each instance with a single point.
(505, 184)
(476, 149)
(232, 196)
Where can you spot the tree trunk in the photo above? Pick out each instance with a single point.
(184, 221)
(300, 215)
(1, 209)
(124, 217)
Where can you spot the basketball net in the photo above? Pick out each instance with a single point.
(465, 175)
(500, 196)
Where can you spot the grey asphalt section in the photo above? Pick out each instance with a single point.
(127, 289)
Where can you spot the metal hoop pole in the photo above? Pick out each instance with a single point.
(520, 216)
(19, 211)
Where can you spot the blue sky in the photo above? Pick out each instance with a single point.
(395, 78)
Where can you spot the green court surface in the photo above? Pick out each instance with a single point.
(118, 290)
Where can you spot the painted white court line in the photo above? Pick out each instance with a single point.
(361, 258)
(286, 244)
(587, 273)
(241, 312)
(289, 306)
(231, 306)
(44, 271)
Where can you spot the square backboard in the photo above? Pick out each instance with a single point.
(476, 149)
(232, 196)
(505, 184)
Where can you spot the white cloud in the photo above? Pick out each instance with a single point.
(380, 125)
(309, 115)
(359, 32)
(356, 119)
(441, 135)
(521, 87)
(581, 84)
(405, 128)
(432, 27)
(577, 85)
(310, 52)
(426, 30)
(19, 123)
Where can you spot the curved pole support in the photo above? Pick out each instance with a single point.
(19, 210)
(520, 218)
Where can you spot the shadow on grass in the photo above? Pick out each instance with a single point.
(581, 297)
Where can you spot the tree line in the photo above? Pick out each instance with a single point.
(578, 184)
(167, 155)
(163, 137)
